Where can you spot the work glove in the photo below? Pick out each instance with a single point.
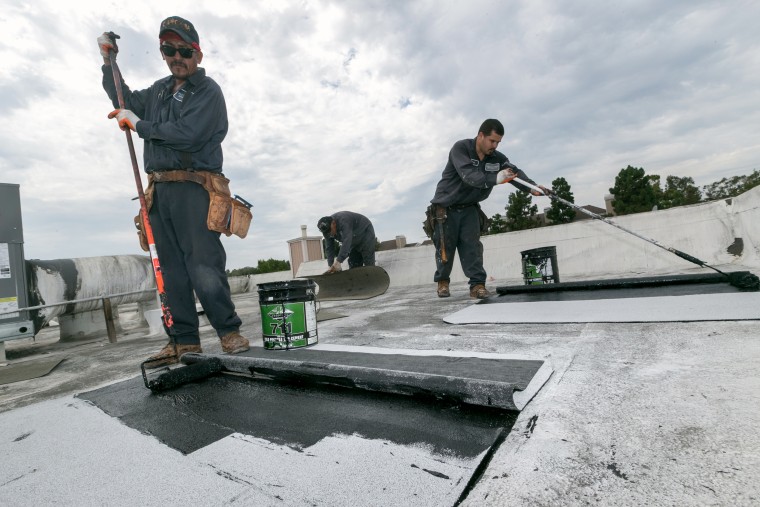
(546, 191)
(504, 176)
(126, 118)
(105, 43)
(336, 266)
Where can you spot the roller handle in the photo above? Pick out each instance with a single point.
(687, 257)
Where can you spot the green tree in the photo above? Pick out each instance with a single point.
(264, 266)
(498, 224)
(634, 191)
(560, 213)
(679, 192)
(521, 213)
(731, 187)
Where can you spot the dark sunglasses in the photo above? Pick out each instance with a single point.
(171, 51)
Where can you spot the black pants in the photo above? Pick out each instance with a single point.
(192, 261)
(461, 232)
(363, 254)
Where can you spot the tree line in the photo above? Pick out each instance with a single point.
(634, 191)
(264, 266)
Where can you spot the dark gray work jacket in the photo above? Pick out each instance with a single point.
(181, 130)
(467, 180)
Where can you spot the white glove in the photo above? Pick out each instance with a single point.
(105, 44)
(336, 266)
(504, 176)
(126, 118)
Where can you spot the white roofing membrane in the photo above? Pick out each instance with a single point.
(687, 308)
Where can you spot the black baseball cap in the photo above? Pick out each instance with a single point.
(324, 225)
(181, 27)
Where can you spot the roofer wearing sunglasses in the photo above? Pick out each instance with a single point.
(182, 119)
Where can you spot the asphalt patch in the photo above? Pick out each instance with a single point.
(195, 415)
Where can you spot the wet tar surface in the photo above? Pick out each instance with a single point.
(198, 414)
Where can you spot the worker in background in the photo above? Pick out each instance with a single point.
(356, 236)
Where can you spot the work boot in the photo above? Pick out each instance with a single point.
(167, 354)
(443, 289)
(234, 343)
(479, 291)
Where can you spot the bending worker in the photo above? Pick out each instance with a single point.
(182, 119)
(473, 169)
(356, 236)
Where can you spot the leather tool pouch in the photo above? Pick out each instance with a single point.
(141, 234)
(485, 222)
(429, 225)
(433, 214)
(240, 220)
(225, 214)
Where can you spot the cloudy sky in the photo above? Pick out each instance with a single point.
(354, 105)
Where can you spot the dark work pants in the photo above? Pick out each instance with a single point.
(363, 254)
(192, 258)
(461, 232)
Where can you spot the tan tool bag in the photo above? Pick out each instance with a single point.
(225, 214)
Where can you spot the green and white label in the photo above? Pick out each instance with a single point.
(289, 325)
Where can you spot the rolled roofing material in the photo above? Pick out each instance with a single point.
(468, 380)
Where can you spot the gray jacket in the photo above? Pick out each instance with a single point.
(352, 231)
(183, 130)
(467, 180)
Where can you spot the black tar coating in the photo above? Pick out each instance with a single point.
(674, 285)
(197, 414)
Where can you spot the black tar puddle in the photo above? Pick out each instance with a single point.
(198, 414)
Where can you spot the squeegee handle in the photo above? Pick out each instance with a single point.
(157, 271)
(689, 258)
(679, 253)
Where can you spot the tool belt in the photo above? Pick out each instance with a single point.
(436, 213)
(433, 213)
(226, 214)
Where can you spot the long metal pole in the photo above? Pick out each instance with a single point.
(167, 316)
(613, 224)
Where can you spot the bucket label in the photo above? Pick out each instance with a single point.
(537, 271)
(289, 325)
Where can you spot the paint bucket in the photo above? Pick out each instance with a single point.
(539, 265)
(288, 314)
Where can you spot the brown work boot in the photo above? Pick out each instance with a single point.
(443, 289)
(479, 291)
(167, 355)
(234, 343)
